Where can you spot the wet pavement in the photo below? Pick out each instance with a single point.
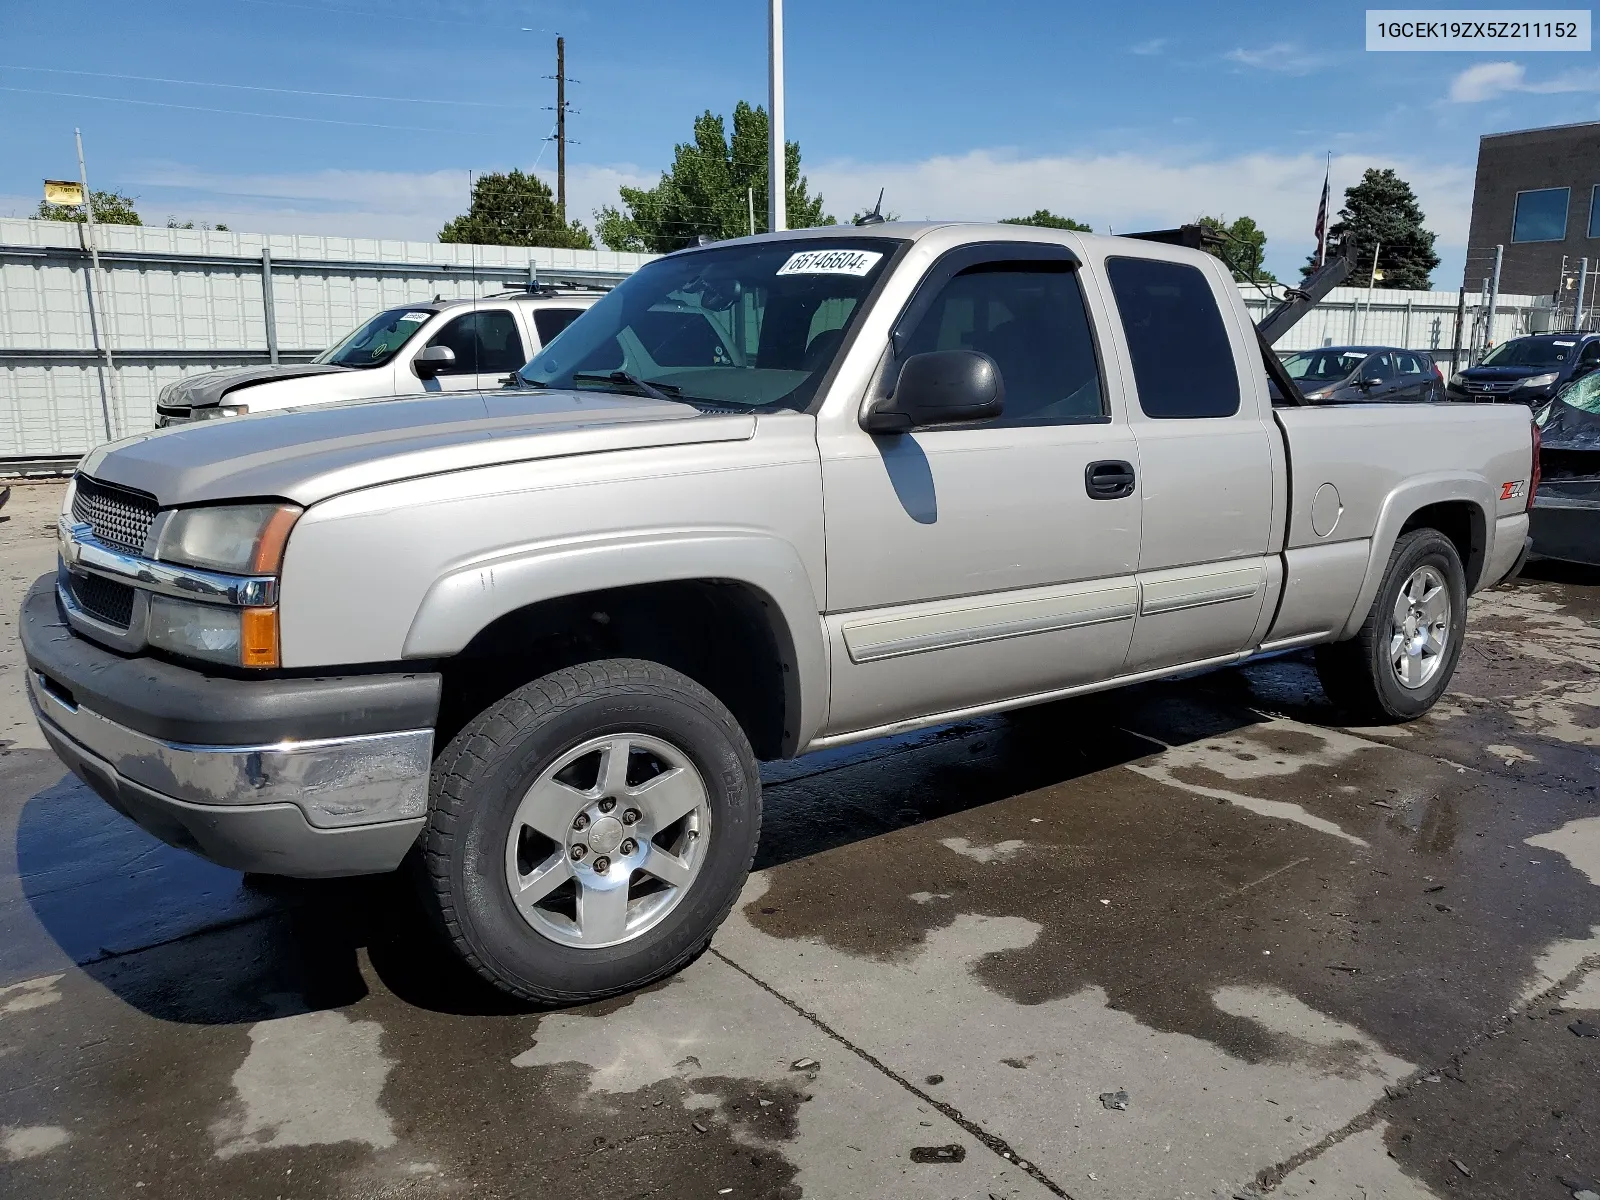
(1320, 962)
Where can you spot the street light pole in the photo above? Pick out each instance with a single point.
(777, 170)
(96, 286)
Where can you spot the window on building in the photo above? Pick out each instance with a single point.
(1594, 211)
(1541, 216)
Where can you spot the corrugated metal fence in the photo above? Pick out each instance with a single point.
(1349, 316)
(180, 300)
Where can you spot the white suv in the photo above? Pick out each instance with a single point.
(439, 346)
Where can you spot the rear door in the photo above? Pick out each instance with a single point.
(1206, 461)
(1415, 378)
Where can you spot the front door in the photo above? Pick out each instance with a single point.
(975, 563)
(487, 347)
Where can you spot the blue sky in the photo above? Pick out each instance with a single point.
(1125, 115)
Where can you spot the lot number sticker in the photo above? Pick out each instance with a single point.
(830, 262)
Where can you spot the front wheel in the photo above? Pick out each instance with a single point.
(1401, 661)
(588, 833)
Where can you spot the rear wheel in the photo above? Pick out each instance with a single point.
(589, 832)
(1401, 661)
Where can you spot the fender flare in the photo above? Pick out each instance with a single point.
(467, 599)
(1398, 507)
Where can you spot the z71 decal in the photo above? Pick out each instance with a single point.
(1513, 489)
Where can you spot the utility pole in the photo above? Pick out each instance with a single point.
(99, 288)
(561, 129)
(777, 170)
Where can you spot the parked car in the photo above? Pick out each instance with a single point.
(1384, 374)
(1528, 370)
(1565, 519)
(768, 496)
(440, 346)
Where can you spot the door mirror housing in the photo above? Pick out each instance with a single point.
(1368, 381)
(942, 387)
(432, 360)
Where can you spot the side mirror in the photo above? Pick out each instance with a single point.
(432, 360)
(939, 388)
(1370, 381)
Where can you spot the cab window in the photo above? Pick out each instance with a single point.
(1029, 318)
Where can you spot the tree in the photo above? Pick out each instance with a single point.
(1045, 218)
(110, 208)
(708, 190)
(174, 223)
(1244, 246)
(1382, 211)
(514, 209)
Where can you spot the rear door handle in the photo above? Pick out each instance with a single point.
(1109, 479)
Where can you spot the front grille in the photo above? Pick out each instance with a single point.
(104, 599)
(1490, 388)
(119, 517)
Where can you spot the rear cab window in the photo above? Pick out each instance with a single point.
(1183, 362)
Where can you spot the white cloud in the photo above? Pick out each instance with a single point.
(1143, 191)
(1287, 57)
(391, 204)
(1153, 46)
(1127, 191)
(1486, 81)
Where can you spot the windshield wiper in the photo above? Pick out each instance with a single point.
(656, 391)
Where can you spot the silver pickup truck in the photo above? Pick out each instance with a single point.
(767, 496)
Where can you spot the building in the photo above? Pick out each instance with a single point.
(1538, 195)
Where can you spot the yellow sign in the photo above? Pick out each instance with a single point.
(62, 191)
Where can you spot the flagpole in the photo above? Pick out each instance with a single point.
(1322, 242)
(97, 286)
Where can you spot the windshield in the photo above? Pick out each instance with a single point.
(376, 342)
(754, 326)
(1322, 366)
(1584, 395)
(1529, 352)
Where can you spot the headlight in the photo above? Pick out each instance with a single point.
(1457, 380)
(1544, 380)
(1322, 395)
(208, 411)
(238, 637)
(242, 539)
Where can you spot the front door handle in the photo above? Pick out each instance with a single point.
(1109, 479)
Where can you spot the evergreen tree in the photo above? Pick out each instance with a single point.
(708, 190)
(514, 210)
(1382, 211)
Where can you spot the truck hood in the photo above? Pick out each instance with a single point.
(307, 455)
(200, 391)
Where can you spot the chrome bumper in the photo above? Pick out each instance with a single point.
(336, 783)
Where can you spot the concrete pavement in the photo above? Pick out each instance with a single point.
(1319, 962)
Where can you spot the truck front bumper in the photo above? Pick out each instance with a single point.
(301, 777)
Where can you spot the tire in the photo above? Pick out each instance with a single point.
(504, 769)
(1360, 675)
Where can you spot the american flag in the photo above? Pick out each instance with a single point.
(1322, 220)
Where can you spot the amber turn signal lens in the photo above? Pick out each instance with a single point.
(258, 637)
(274, 536)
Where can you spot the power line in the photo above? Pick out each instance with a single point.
(230, 112)
(256, 88)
